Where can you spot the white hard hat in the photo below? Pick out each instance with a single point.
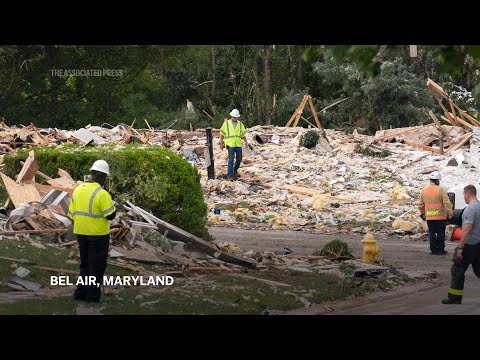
(101, 166)
(435, 176)
(235, 113)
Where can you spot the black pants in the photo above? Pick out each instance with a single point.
(93, 262)
(470, 255)
(436, 232)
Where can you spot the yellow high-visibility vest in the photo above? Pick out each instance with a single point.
(233, 136)
(89, 206)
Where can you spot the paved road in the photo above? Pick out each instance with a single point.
(420, 299)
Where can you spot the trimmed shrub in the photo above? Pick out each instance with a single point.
(310, 139)
(153, 177)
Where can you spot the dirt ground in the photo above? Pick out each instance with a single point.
(418, 299)
(395, 250)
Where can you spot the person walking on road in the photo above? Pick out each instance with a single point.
(468, 249)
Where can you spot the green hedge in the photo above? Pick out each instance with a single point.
(152, 177)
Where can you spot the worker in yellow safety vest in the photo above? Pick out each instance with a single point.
(231, 134)
(90, 210)
(435, 207)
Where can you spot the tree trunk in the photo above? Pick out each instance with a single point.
(299, 77)
(267, 67)
(212, 94)
(53, 61)
(257, 85)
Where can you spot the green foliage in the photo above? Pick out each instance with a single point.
(265, 82)
(310, 139)
(153, 178)
(335, 248)
(396, 97)
(287, 106)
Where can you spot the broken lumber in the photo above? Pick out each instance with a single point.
(269, 282)
(45, 176)
(60, 271)
(40, 231)
(423, 147)
(176, 233)
(29, 169)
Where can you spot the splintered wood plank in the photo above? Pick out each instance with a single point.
(462, 122)
(62, 182)
(23, 193)
(423, 147)
(63, 173)
(437, 87)
(20, 193)
(29, 169)
(298, 112)
(314, 112)
(471, 118)
(43, 189)
(462, 141)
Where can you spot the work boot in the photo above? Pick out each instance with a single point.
(451, 301)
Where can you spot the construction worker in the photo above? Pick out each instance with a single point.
(231, 134)
(435, 206)
(90, 209)
(468, 249)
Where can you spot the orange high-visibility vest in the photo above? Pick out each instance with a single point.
(434, 202)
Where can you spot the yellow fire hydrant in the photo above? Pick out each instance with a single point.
(370, 248)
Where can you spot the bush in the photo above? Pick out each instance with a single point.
(310, 139)
(334, 249)
(152, 177)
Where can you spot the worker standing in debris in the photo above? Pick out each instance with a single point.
(468, 249)
(435, 206)
(90, 209)
(231, 134)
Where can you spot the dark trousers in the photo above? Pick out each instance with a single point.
(470, 255)
(237, 153)
(436, 232)
(93, 262)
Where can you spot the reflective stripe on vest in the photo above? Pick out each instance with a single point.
(234, 138)
(434, 208)
(88, 209)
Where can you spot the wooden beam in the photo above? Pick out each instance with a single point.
(445, 110)
(452, 114)
(308, 122)
(60, 271)
(423, 147)
(445, 119)
(314, 112)
(34, 231)
(465, 138)
(435, 86)
(298, 112)
(462, 122)
(471, 118)
(175, 233)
